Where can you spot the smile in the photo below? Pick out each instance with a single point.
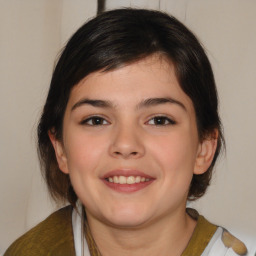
(127, 180)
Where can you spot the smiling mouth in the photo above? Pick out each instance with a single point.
(127, 180)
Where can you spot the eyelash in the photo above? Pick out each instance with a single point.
(161, 119)
(98, 121)
(89, 121)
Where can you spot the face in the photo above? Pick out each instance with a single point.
(130, 143)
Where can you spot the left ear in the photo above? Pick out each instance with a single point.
(206, 152)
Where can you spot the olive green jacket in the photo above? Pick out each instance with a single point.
(54, 237)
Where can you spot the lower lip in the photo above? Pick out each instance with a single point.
(128, 188)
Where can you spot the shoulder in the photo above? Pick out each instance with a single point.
(210, 239)
(224, 243)
(53, 236)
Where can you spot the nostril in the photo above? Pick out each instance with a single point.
(125, 154)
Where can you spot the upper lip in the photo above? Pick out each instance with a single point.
(126, 173)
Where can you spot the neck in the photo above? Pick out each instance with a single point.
(170, 233)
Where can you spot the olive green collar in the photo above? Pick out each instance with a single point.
(201, 236)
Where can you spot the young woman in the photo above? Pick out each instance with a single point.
(129, 133)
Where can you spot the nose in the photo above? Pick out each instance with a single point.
(127, 142)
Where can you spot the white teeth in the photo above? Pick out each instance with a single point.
(127, 180)
(122, 180)
(137, 179)
(116, 180)
(130, 180)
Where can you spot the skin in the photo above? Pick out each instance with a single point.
(130, 137)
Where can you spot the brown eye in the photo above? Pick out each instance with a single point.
(160, 120)
(95, 121)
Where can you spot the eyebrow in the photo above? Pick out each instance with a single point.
(158, 101)
(143, 104)
(94, 103)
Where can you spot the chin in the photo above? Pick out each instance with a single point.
(127, 218)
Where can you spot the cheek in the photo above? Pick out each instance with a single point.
(84, 157)
(176, 154)
(84, 152)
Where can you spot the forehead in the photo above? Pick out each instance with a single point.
(153, 76)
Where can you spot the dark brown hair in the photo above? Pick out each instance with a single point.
(113, 39)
